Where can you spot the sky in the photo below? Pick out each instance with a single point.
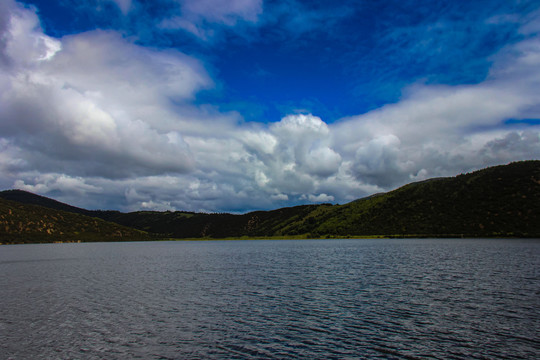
(240, 105)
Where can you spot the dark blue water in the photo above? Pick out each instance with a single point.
(341, 299)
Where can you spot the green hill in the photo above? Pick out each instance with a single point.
(181, 224)
(498, 201)
(33, 199)
(26, 223)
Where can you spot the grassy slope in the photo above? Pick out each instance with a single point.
(26, 223)
(498, 201)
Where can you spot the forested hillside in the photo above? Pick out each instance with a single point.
(498, 201)
(25, 223)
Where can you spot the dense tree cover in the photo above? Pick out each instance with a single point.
(497, 201)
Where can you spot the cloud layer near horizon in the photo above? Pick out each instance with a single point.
(98, 121)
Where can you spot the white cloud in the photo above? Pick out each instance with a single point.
(23, 40)
(259, 142)
(91, 98)
(440, 130)
(322, 161)
(378, 160)
(65, 184)
(320, 198)
(280, 197)
(301, 127)
(100, 122)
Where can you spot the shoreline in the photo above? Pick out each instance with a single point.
(298, 237)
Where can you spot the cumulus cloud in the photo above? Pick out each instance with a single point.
(92, 99)
(439, 130)
(22, 40)
(510, 146)
(100, 122)
(282, 197)
(320, 198)
(58, 182)
(323, 161)
(304, 145)
(378, 160)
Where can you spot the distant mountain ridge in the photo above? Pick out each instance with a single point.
(499, 201)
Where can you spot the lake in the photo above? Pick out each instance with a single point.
(324, 299)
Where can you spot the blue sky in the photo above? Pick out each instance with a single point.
(215, 105)
(320, 57)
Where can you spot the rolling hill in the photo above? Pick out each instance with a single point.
(27, 223)
(501, 201)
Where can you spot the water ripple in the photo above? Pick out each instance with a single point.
(343, 299)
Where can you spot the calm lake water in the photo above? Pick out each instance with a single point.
(324, 299)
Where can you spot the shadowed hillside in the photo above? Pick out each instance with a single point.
(33, 199)
(498, 201)
(26, 223)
